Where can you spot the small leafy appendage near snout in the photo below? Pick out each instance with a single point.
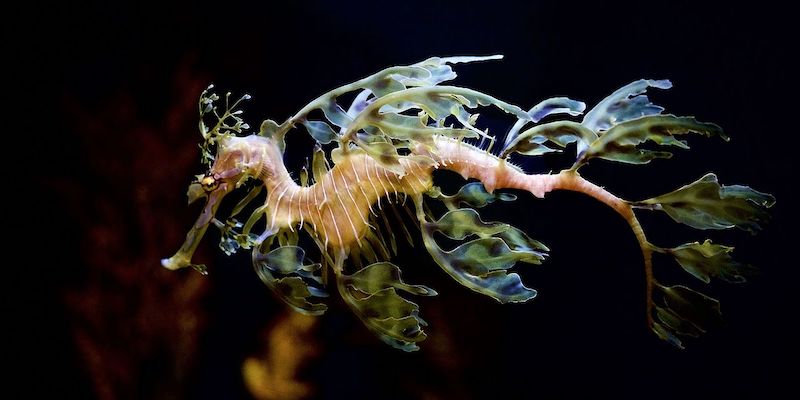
(403, 124)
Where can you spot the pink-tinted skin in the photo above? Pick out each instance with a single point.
(337, 206)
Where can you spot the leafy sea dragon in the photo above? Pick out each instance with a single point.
(403, 124)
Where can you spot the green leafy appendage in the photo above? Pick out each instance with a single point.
(482, 264)
(372, 293)
(283, 270)
(705, 204)
(709, 260)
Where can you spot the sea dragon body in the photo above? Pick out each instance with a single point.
(340, 209)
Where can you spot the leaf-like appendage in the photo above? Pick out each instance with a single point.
(268, 128)
(436, 103)
(518, 240)
(284, 272)
(701, 310)
(336, 115)
(561, 133)
(686, 313)
(430, 72)
(480, 257)
(556, 105)
(360, 102)
(625, 104)
(665, 333)
(286, 259)
(439, 71)
(705, 204)
(296, 293)
(319, 166)
(232, 240)
(372, 294)
(473, 99)
(384, 152)
(404, 127)
(482, 264)
(382, 275)
(545, 108)
(474, 194)
(708, 260)
(246, 200)
(228, 122)
(458, 224)
(619, 143)
(390, 83)
(271, 129)
(304, 175)
(461, 223)
(320, 131)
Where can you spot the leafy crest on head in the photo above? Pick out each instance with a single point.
(227, 124)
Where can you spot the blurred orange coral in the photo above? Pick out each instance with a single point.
(290, 346)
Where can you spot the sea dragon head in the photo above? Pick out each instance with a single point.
(231, 160)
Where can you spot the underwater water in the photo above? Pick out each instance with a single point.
(98, 317)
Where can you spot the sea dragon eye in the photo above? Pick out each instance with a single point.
(209, 182)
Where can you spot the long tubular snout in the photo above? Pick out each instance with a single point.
(183, 257)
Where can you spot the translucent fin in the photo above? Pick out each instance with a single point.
(368, 253)
(392, 240)
(482, 264)
(382, 275)
(376, 239)
(372, 294)
(284, 272)
(627, 103)
(705, 204)
(620, 142)
(401, 223)
(685, 312)
(473, 194)
(319, 165)
(304, 175)
(246, 200)
(709, 260)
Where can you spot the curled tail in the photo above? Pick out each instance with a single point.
(671, 311)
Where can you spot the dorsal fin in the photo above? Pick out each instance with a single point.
(304, 174)
(319, 166)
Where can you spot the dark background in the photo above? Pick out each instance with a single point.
(102, 122)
